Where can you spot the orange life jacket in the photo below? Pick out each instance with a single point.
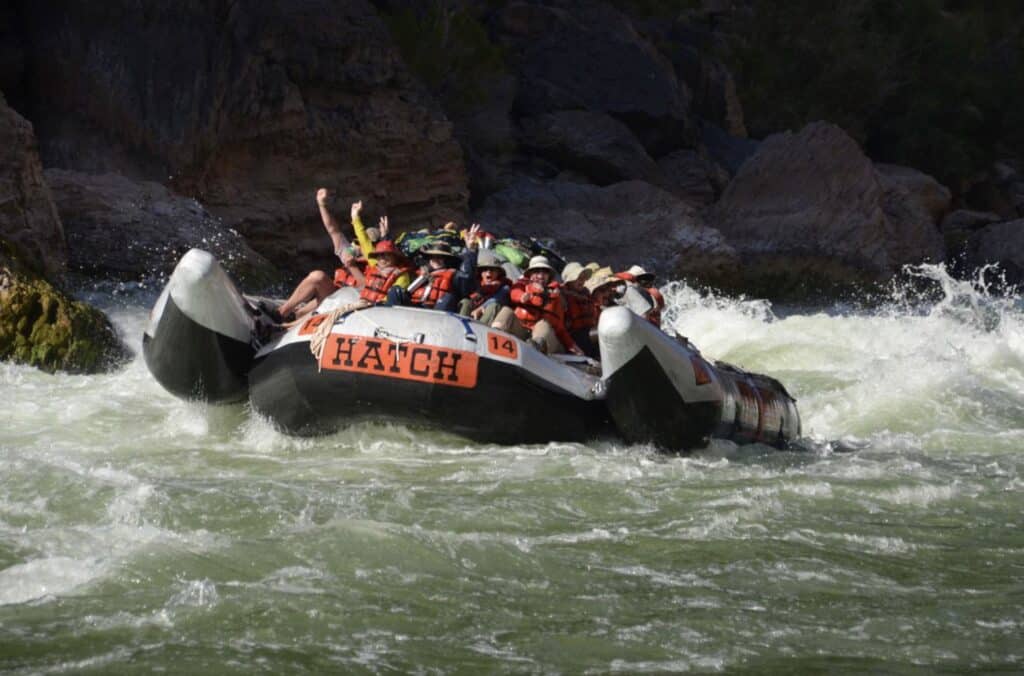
(580, 312)
(543, 303)
(342, 276)
(378, 283)
(439, 284)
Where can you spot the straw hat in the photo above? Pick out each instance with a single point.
(539, 263)
(601, 278)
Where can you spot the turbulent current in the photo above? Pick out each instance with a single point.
(141, 533)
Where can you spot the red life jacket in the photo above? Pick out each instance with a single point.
(544, 303)
(439, 284)
(378, 283)
(486, 291)
(580, 313)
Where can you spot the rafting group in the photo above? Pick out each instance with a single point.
(553, 304)
(494, 339)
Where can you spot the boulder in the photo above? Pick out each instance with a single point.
(28, 218)
(810, 208)
(126, 229)
(959, 226)
(1000, 243)
(248, 106)
(627, 223)
(593, 144)
(1001, 190)
(914, 204)
(42, 327)
(929, 196)
(586, 55)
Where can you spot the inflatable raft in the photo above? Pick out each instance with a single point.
(206, 341)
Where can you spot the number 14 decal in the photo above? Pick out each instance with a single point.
(502, 346)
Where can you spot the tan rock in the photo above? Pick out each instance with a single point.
(810, 207)
(28, 218)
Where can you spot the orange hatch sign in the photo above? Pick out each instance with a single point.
(406, 361)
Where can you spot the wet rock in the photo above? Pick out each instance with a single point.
(618, 225)
(595, 145)
(125, 229)
(810, 209)
(28, 219)
(42, 327)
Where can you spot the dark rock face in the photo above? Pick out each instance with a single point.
(580, 55)
(125, 229)
(692, 177)
(810, 206)
(248, 106)
(619, 225)
(28, 219)
(593, 144)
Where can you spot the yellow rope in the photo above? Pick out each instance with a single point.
(323, 330)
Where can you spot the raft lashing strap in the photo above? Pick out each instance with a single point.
(381, 332)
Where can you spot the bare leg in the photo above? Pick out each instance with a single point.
(317, 285)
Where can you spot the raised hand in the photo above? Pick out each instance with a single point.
(472, 236)
(356, 208)
(323, 196)
(383, 227)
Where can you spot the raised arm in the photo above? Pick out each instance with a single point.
(331, 225)
(365, 245)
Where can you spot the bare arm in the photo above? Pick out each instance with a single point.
(338, 239)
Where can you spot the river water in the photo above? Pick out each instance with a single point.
(141, 533)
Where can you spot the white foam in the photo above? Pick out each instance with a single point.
(48, 576)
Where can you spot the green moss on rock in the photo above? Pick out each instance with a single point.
(41, 326)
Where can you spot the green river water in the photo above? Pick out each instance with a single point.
(140, 533)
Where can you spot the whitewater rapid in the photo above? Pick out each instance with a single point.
(137, 529)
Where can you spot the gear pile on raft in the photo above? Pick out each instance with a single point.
(499, 340)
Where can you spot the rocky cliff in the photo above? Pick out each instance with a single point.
(619, 133)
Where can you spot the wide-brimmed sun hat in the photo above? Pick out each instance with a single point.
(485, 258)
(439, 249)
(601, 278)
(386, 247)
(638, 273)
(538, 263)
(573, 271)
